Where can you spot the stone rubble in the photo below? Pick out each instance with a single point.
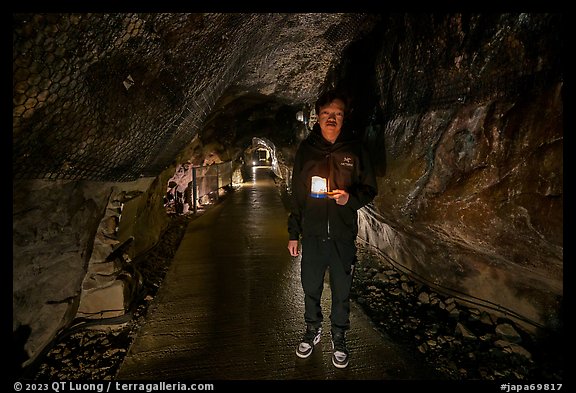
(463, 343)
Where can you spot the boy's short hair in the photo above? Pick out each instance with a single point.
(331, 95)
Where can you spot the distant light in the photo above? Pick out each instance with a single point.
(300, 116)
(253, 162)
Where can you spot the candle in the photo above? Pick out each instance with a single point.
(318, 189)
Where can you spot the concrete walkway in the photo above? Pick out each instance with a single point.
(231, 307)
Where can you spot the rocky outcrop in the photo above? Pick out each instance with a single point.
(70, 240)
(467, 137)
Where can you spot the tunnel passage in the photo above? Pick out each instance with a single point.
(232, 306)
(262, 153)
(462, 115)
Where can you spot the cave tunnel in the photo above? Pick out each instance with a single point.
(115, 115)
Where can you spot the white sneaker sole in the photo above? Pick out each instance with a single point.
(338, 365)
(304, 356)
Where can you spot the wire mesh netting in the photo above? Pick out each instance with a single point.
(114, 97)
(432, 62)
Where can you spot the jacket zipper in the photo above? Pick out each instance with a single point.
(329, 189)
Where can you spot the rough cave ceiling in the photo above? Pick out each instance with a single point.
(115, 97)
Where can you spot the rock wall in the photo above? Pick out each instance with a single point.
(468, 144)
(53, 229)
(64, 234)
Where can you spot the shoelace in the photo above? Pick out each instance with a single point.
(310, 334)
(340, 344)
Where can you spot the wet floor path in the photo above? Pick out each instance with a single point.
(231, 306)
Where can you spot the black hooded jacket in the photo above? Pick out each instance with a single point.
(346, 165)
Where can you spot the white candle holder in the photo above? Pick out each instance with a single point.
(318, 188)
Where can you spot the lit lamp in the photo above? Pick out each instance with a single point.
(318, 189)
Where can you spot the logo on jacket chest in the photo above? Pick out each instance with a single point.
(347, 161)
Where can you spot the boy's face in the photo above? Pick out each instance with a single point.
(331, 118)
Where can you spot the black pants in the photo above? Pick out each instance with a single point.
(318, 255)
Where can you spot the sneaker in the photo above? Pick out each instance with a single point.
(339, 350)
(311, 338)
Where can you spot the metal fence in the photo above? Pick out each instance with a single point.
(192, 187)
(208, 180)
